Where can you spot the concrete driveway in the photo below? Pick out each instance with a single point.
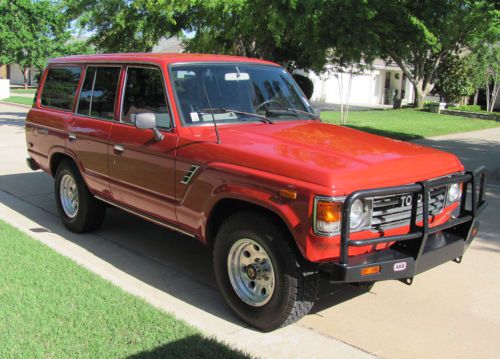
(451, 311)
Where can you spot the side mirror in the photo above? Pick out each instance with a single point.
(147, 121)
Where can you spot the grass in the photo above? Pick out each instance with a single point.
(30, 91)
(408, 124)
(50, 307)
(20, 100)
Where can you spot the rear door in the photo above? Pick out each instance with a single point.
(142, 170)
(89, 132)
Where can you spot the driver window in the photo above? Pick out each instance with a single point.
(144, 92)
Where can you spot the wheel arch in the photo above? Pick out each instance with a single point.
(226, 207)
(56, 158)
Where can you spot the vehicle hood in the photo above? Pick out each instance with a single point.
(337, 157)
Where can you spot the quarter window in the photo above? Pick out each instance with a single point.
(60, 87)
(144, 92)
(98, 95)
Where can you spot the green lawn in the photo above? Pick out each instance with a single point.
(20, 100)
(50, 307)
(408, 124)
(30, 91)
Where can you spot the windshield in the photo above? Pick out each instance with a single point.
(233, 92)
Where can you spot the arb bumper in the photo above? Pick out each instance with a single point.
(422, 247)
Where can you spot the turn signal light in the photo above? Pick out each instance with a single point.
(328, 216)
(286, 193)
(328, 211)
(370, 270)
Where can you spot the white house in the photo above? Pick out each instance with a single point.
(376, 86)
(15, 74)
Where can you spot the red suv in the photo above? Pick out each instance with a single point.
(229, 151)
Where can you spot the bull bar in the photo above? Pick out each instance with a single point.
(420, 249)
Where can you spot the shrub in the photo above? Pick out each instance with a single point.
(305, 84)
(468, 108)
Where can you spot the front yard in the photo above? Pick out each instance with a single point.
(50, 307)
(22, 100)
(408, 124)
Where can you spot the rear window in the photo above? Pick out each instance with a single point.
(60, 87)
(98, 95)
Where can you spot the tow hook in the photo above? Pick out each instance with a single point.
(407, 281)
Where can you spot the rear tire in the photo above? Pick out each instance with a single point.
(79, 210)
(250, 243)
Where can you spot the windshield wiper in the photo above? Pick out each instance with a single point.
(226, 110)
(291, 111)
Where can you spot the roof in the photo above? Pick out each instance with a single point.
(158, 58)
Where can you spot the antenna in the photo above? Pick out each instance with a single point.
(211, 110)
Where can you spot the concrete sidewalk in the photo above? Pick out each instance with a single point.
(169, 270)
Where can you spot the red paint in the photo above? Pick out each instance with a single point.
(253, 162)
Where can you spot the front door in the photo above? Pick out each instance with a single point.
(142, 169)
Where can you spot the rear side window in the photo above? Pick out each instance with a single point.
(60, 87)
(98, 94)
(144, 92)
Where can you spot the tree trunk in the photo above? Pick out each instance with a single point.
(26, 73)
(494, 94)
(419, 96)
(488, 98)
(476, 95)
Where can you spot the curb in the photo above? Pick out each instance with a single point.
(15, 104)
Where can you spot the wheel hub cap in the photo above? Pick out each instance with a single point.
(69, 196)
(251, 272)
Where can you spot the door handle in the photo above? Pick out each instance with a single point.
(118, 148)
(72, 137)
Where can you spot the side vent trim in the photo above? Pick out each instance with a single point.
(190, 174)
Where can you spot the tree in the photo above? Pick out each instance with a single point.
(454, 81)
(129, 25)
(419, 35)
(31, 32)
(416, 35)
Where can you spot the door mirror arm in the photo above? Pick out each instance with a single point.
(158, 135)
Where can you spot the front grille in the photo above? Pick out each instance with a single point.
(395, 210)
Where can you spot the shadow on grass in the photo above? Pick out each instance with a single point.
(194, 346)
(391, 134)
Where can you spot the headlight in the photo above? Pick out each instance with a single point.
(454, 192)
(357, 214)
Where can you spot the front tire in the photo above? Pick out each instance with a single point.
(261, 276)
(79, 210)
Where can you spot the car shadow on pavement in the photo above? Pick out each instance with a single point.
(14, 118)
